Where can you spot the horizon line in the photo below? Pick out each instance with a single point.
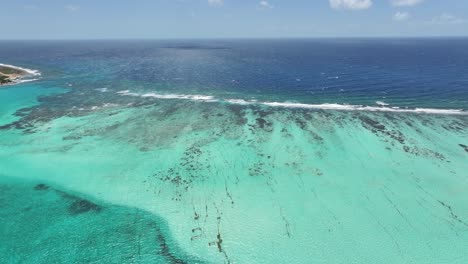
(238, 38)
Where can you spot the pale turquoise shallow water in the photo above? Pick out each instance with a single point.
(149, 180)
(229, 151)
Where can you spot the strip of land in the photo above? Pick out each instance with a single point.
(11, 75)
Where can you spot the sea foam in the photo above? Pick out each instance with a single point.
(29, 71)
(102, 90)
(326, 106)
(195, 97)
(27, 80)
(345, 107)
(381, 103)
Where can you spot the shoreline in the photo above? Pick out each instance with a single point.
(11, 75)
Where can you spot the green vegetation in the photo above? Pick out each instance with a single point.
(8, 70)
(9, 74)
(4, 79)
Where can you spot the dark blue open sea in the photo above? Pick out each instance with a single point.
(235, 151)
(399, 72)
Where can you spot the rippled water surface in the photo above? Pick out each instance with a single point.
(279, 151)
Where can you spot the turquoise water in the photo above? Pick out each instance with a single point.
(12, 99)
(93, 175)
(59, 218)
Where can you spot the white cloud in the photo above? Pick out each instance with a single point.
(447, 18)
(401, 16)
(72, 8)
(351, 4)
(406, 2)
(216, 2)
(265, 5)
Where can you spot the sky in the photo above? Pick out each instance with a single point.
(161, 19)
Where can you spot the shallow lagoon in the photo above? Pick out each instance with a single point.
(169, 154)
(235, 183)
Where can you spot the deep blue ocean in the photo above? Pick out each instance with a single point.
(413, 73)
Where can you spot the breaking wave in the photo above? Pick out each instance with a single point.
(325, 106)
(29, 71)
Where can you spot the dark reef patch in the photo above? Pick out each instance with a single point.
(378, 128)
(465, 147)
(424, 152)
(190, 169)
(257, 169)
(72, 137)
(372, 123)
(452, 214)
(303, 124)
(239, 113)
(78, 101)
(46, 232)
(41, 187)
(76, 205)
(262, 123)
(83, 206)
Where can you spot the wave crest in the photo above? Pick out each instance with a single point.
(29, 71)
(325, 106)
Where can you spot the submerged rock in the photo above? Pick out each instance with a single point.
(465, 147)
(41, 187)
(83, 206)
(47, 230)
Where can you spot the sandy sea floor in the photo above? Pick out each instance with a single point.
(184, 181)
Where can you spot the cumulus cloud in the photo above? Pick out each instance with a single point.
(406, 2)
(401, 16)
(216, 2)
(447, 18)
(350, 4)
(265, 5)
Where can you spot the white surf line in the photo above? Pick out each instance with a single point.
(381, 103)
(102, 90)
(29, 71)
(195, 97)
(343, 107)
(327, 106)
(26, 80)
